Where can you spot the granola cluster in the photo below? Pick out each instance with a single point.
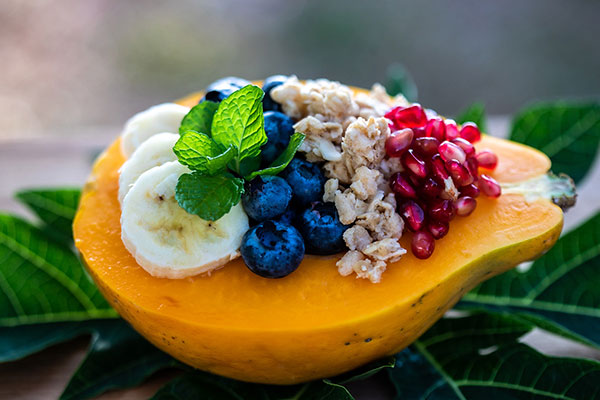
(347, 132)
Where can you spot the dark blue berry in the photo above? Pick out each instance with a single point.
(221, 89)
(278, 127)
(272, 249)
(289, 217)
(268, 85)
(322, 230)
(266, 197)
(305, 179)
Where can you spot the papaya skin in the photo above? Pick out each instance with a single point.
(313, 323)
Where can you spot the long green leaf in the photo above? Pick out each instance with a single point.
(561, 290)
(480, 357)
(569, 133)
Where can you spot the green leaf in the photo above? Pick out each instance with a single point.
(41, 280)
(118, 357)
(400, 81)
(474, 113)
(55, 207)
(561, 290)
(480, 357)
(364, 372)
(569, 133)
(283, 159)
(209, 197)
(200, 385)
(200, 153)
(199, 118)
(239, 123)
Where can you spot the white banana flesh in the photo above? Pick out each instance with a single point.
(155, 151)
(160, 118)
(165, 239)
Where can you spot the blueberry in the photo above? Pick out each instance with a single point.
(266, 197)
(278, 127)
(221, 89)
(268, 85)
(305, 179)
(272, 249)
(289, 217)
(322, 230)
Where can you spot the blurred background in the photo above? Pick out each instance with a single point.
(71, 64)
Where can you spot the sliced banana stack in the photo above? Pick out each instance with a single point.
(167, 241)
(160, 118)
(155, 151)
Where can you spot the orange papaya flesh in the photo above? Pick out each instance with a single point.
(313, 323)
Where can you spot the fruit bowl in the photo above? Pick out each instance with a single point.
(313, 323)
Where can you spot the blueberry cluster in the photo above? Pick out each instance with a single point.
(289, 217)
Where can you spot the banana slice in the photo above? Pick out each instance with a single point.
(161, 118)
(167, 241)
(155, 151)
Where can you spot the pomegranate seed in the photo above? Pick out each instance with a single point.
(441, 210)
(436, 128)
(487, 159)
(413, 215)
(464, 206)
(426, 146)
(419, 131)
(422, 244)
(451, 129)
(398, 142)
(410, 117)
(489, 186)
(465, 145)
(439, 168)
(402, 186)
(472, 165)
(470, 132)
(438, 229)
(460, 174)
(431, 188)
(470, 190)
(414, 164)
(450, 151)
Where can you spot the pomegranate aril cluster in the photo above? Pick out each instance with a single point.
(433, 151)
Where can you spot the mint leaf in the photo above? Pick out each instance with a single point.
(284, 158)
(199, 118)
(200, 153)
(400, 81)
(474, 113)
(209, 197)
(239, 123)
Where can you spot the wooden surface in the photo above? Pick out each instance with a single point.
(64, 159)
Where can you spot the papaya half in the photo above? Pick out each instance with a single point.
(315, 323)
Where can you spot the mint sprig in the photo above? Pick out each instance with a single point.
(221, 144)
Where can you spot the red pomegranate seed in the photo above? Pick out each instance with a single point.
(470, 132)
(438, 229)
(489, 186)
(450, 151)
(408, 117)
(470, 190)
(422, 244)
(431, 188)
(465, 205)
(441, 210)
(413, 214)
(472, 165)
(426, 146)
(465, 145)
(402, 186)
(439, 167)
(398, 142)
(436, 128)
(414, 164)
(459, 173)
(419, 131)
(451, 129)
(487, 159)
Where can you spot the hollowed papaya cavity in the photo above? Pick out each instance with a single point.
(314, 323)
